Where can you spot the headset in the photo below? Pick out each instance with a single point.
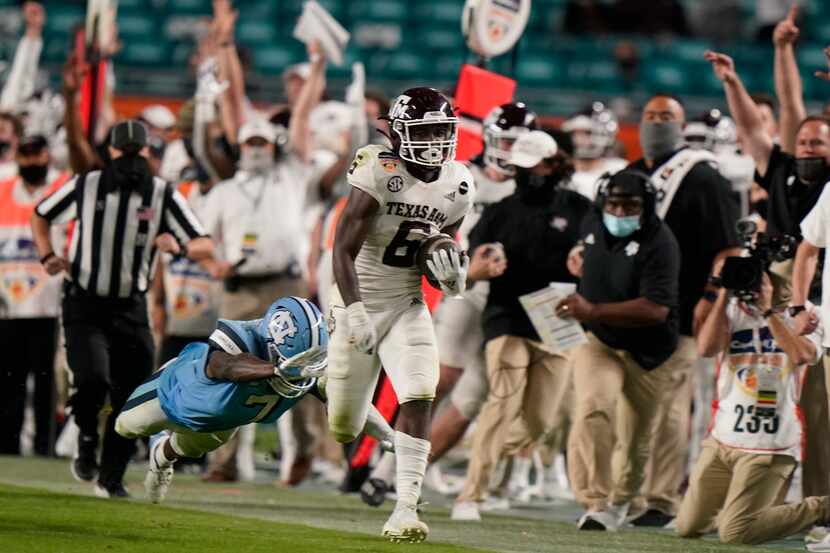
(607, 181)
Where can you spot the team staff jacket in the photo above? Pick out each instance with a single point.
(645, 264)
(537, 237)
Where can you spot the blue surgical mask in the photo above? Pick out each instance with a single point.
(621, 226)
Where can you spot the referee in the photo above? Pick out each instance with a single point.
(124, 217)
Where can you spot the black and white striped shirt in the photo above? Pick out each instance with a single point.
(112, 249)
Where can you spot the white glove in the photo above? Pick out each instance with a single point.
(450, 269)
(361, 332)
(310, 363)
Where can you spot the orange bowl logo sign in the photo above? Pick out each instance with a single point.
(492, 27)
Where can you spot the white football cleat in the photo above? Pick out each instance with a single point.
(609, 520)
(404, 526)
(495, 503)
(822, 545)
(157, 481)
(466, 511)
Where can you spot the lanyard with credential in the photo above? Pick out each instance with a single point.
(251, 235)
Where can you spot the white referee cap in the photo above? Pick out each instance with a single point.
(158, 116)
(531, 148)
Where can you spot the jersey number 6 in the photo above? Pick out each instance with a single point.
(402, 249)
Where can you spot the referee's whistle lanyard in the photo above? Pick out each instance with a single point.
(256, 199)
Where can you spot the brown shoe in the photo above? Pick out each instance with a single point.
(217, 477)
(299, 471)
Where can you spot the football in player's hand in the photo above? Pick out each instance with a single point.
(429, 246)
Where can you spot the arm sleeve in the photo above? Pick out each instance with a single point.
(777, 158)
(814, 224)
(361, 173)
(20, 84)
(61, 206)
(226, 338)
(661, 271)
(179, 219)
(718, 230)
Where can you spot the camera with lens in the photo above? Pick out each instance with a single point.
(743, 275)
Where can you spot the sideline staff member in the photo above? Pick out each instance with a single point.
(628, 300)
(125, 216)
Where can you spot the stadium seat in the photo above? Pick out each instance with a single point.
(397, 65)
(255, 32)
(62, 18)
(666, 75)
(275, 58)
(540, 70)
(145, 53)
(136, 24)
(438, 12)
(189, 7)
(378, 10)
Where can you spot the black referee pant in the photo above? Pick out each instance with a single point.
(28, 345)
(110, 351)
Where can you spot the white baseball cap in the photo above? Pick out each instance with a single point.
(159, 116)
(257, 128)
(531, 148)
(301, 70)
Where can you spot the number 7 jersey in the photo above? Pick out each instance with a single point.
(410, 210)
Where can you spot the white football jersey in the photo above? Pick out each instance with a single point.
(410, 210)
(752, 354)
(585, 182)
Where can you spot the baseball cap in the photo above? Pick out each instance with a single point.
(301, 70)
(158, 116)
(128, 135)
(257, 128)
(531, 148)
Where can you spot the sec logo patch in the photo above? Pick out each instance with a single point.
(395, 184)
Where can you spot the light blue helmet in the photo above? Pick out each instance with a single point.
(296, 337)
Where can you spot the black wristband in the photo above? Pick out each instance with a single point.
(710, 296)
(715, 281)
(47, 257)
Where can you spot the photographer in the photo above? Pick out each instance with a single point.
(755, 440)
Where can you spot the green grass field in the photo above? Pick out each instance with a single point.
(42, 510)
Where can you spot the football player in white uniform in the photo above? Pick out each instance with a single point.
(458, 320)
(398, 198)
(593, 133)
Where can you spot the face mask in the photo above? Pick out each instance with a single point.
(621, 226)
(33, 175)
(660, 138)
(810, 170)
(534, 188)
(4, 147)
(255, 159)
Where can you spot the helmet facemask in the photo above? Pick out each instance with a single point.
(497, 145)
(430, 141)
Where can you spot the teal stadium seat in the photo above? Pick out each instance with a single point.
(145, 53)
(399, 65)
(392, 11)
(255, 32)
(275, 58)
(666, 75)
(61, 19)
(540, 70)
(438, 13)
(184, 7)
(136, 24)
(440, 39)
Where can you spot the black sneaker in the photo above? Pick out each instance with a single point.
(373, 492)
(653, 518)
(114, 491)
(84, 466)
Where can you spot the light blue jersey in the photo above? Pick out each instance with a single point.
(192, 400)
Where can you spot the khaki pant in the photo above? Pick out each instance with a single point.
(527, 384)
(247, 303)
(666, 466)
(814, 405)
(608, 380)
(741, 489)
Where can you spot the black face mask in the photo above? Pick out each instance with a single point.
(33, 175)
(4, 147)
(131, 170)
(533, 188)
(811, 170)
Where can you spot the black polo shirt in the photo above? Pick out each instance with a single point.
(643, 265)
(790, 200)
(536, 240)
(702, 217)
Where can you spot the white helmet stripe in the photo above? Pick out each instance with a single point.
(313, 320)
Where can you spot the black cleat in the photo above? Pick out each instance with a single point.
(373, 492)
(111, 491)
(653, 518)
(84, 466)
